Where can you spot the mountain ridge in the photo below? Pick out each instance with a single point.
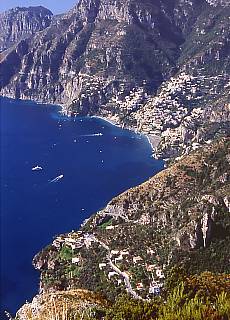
(161, 69)
(22, 22)
(120, 67)
(180, 217)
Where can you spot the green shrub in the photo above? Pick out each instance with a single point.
(66, 253)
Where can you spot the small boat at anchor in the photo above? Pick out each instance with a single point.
(37, 168)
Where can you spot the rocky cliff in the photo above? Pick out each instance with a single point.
(20, 23)
(161, 68)
(86, 56)
(219, 2)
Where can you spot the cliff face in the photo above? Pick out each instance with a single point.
(72, 304)
(219, 2)
(179, 216)
(192, 107)
(99, 46)
(20, 23)
(162, 67)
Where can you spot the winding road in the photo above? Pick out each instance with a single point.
(116, 269)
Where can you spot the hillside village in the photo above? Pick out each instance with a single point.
(179, 98)
(173, 116)
(114, 263)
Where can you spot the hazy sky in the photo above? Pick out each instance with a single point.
(56, 6)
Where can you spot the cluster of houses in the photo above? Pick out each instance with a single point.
(122, 99)
(176, 99)
(156, 274)
(76, 240)
(131, 101)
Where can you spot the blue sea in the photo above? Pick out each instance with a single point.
(93, 160)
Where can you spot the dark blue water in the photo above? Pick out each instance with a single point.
(33, 209)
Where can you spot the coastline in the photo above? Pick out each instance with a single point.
(129, 132)
(109, 120)
(153, 140)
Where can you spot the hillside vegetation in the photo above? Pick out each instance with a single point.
(168, 236)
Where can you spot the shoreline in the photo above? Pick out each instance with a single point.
(107, 120)
(149, 139)
(153, 140)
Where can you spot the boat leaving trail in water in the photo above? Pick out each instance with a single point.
(57, 178)
(92, 135)
(37, 168)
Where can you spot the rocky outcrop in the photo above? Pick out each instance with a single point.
(67, 304)
(85, 51)
(219, 2)
(20, 23)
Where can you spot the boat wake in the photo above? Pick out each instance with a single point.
(56, 179)
(92, 135)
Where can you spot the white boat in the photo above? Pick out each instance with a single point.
(92, 135)
(37, 168)
(57, 178)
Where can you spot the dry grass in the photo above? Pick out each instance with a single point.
(62, 305)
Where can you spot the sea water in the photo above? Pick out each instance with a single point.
(55, 172)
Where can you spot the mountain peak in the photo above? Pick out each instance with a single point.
(152, 66)
(21, 22)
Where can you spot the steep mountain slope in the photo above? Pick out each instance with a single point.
(20, 23)
(194, 105)
(98, 44)
(180, 216)
(162, 67)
